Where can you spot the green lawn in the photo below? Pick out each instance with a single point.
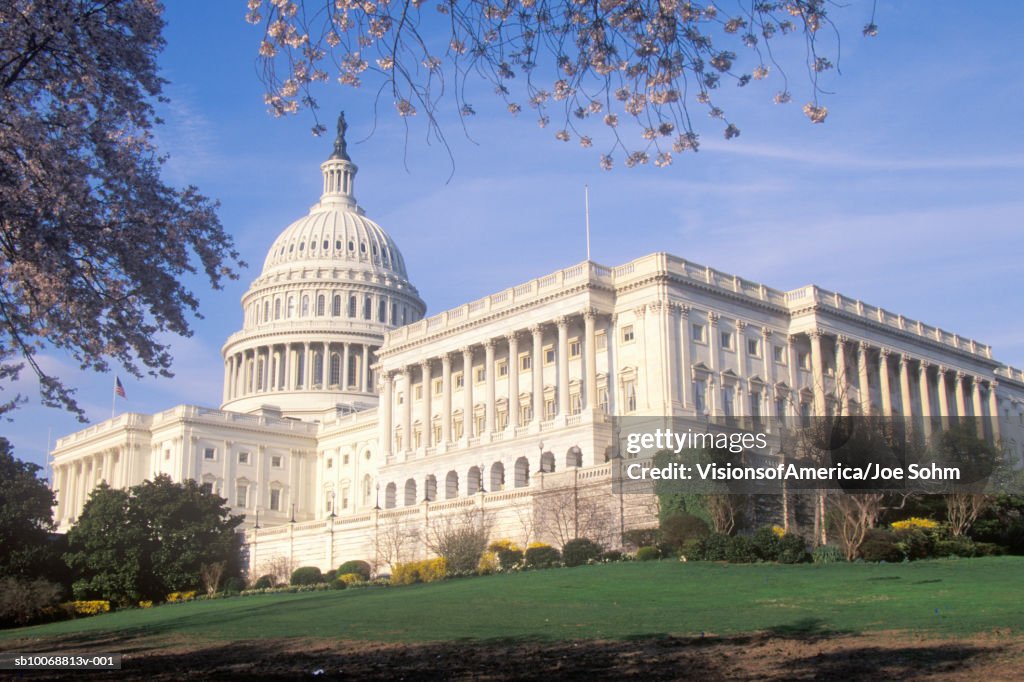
(611, 601)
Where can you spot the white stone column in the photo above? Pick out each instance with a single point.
(842, 380)
(976, 404)
(906, 401)
(467, 393)
(226, 394)
(364, 370)
(818, 374)
(926, 398)
(943, 391)
(993, 410)
(713, 341)
(407, 442)
(590, 347)
(958, 389)
(742, 404)
(325, 366)
(538, 372)
(562, 389)
(426, 416)
(768, 363)
(513, 380)
(307, 367)
(387, 407)
(489, 386)
(863, 386)
(108, 465)
(446, 398)
(883, 381)
(685, 363)
(344, 367)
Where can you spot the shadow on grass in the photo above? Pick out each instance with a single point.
(801, 650)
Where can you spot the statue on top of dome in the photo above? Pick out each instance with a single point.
(340, 145)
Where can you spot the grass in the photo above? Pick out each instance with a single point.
(614, 601)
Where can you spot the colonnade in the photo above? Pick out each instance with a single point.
(74, 481)
(545, 402)
(305, 365)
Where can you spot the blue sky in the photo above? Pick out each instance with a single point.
(909, 197)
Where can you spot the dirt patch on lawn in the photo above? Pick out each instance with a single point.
(763, 656)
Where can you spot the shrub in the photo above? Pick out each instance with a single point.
(331, 575)
(499, 545)
(174, 597)
(915, 522)
(792, 549)
(338, 584)
(356, 566)
(610, 556)
(350, 579)
(93, 607)
(233, 585)
(741, 550)
(766, 543)
(510, 559)
(580, 551)
(678, 528)
(714, 547)
(542, 556)
(265, 582)
(427, 571)
(827, 554)
(26, 601)
(488, 563)
(145, 604)
(881, 545)
(955, 547)
(915, 544)
(640, 537)
(307, 575)
(648, 553)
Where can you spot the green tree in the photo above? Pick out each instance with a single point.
(149, 540)
(26, 516)
(93, 243)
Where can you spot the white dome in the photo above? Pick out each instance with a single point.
(333, 235)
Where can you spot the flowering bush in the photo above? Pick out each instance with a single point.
(145, 604)
(915, 522)
(506, 545)
(181, 596)
(90, 608)
(779, 531)
(351, 579)
(426, 571)
(488, 563)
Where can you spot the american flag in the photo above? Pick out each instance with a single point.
(119, 388)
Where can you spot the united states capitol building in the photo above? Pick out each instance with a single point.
(348, 416)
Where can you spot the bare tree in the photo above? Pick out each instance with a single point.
(395, 541)
(724, 510)
(210, 574)
(460, 539)
(585, 64)
(280, 567)
(855, 514)
(962, 510)
(569, 512)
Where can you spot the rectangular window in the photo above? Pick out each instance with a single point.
(755, 406)
(479, 424)
(727, 396)
(417, 392)
(602, 399)
(459, 380)
(727, 341)
(754, 347)
(207, 488)
(330, 462)
(574, 348)
(210, 454)
(698, 333)
(344, 460)
(275, 499)
(276, 461)
(480, 375)
(700, 397)
(525, 413)
(629, 390)
(503, 369)
(600, 341)
(627, 334)
(805, 414)
(525, 361)
(549, 409)
(438, 385)
(243, 457)
(242, 495)
(549, 355)
(780, 409)
(803, 360)
(778, 355)
(502, 419)
(167, 455)
(457, 428)
(575, 403)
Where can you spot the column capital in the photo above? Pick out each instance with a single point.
(740, 325)
(884, 353)
(425, 365)
(657, 306)
(640, 311)
(903, 359)
(960, 375)
(488, 344)
(404, 371)
(446, 359)
(562, 321)
(713, 319)
(863, 346)
(684, 310)
(466, 350)
(536, 329)
(766, 332)
(842, 339)
(816, 333)
(922, 366)
(941, 370)
(993, 384)
(589, 313)
(512, 336)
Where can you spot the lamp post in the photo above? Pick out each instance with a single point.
(293, 514)
(332, 515)
(257, 518)
(377, 503)
(480, 482)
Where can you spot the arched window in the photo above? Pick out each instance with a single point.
(336, 306)
(451, 485)
(300, 369)
(305, 306)
(320, 301)
(390, 493)
(574, 457)
(430, 488)
(547, 462)
(277, 309)
(367, 490)
(318, 368)
(291, 306)
(497, 476)
(259, 374)
(266, 311)
(335, 369)
(473, 481)
(352, 305)
(522, 472)
(382, 310)
(367, 308)
(394, 313)
(410, 492)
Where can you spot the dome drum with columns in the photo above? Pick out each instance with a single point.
(332, 283)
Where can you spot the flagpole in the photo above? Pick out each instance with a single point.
(586, 201)
(113, 397)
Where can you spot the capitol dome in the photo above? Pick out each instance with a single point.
(332, 283)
